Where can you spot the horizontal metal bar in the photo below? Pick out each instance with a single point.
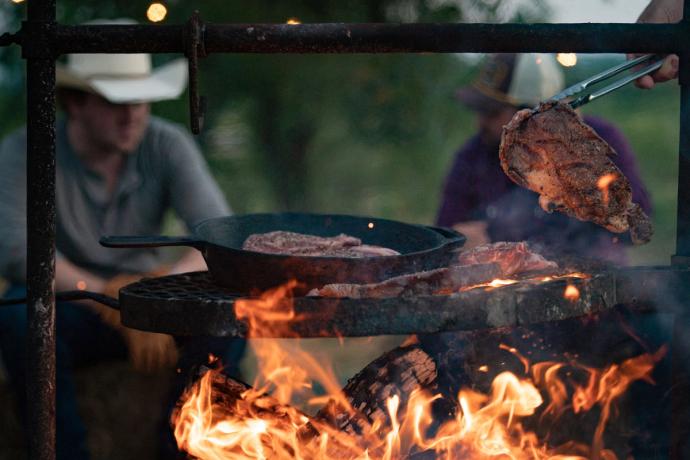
(379, 38)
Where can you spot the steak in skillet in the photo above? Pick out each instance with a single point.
(299, 244)
(549, 150)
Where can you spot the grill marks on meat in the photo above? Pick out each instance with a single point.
(513, 258)
(299, 244)
(475, 266)
(550, 151)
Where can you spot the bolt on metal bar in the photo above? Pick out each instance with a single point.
(40, 362)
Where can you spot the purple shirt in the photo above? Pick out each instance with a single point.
(477, 189)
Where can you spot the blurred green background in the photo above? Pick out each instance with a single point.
(360, 134)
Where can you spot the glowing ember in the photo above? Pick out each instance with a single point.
(156, 12)
(293, 21)
(567, 59)
(603, 185)
(263, 422)
(571, 293)
(497, 283)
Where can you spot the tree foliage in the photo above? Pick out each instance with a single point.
(301, 131)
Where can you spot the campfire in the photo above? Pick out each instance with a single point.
(297, 409)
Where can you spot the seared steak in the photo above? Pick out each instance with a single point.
(549, 150)
(432, 282)
(475, 266)
(298, 244)
(513, 258)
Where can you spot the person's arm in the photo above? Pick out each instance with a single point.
(13, 208)
(661, 11)
(194, 193)
(69, 277)
(457, 200)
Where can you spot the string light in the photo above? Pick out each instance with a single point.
(156, 12)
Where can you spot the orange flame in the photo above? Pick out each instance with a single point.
(603, 185)
(263, 421)
(571, 293)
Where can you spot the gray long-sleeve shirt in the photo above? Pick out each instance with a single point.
(166, 171)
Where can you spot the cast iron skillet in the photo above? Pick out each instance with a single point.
(220, 241)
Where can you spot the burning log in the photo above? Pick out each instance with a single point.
(221, 414)
(398, 372)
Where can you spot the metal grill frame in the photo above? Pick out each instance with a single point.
(42, 40)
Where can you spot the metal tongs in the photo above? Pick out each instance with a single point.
(577, 88)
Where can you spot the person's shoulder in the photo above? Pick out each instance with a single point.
(161, 128)
(602, 126)
(472, 147)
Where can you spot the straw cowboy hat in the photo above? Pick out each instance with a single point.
(122, 78)
(518, 80)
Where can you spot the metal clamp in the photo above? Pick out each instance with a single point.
(194, 50)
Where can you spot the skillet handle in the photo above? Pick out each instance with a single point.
(149, 241)
(454, 239)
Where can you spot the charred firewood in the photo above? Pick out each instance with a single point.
(397, 372)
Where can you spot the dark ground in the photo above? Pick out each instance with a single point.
(121, 409)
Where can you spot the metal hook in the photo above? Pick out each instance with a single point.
(195, 49)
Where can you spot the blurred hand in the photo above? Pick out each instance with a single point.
(149, 351)
(661, 11)
(475, 231)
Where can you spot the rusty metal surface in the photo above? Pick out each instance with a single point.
(190, 304)
(377, 38)
(40, 358)
(195, 50)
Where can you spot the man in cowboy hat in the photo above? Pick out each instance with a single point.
(478, 198)
(118, 170)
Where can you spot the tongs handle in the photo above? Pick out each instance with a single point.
(605, 75)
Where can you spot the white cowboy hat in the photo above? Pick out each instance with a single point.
(122, 78)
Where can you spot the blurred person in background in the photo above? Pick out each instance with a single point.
(480, 200)
(119, 169)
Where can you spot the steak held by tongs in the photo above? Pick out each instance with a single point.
(549, 150)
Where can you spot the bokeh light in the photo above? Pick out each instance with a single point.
(567, 59)
(156, 12)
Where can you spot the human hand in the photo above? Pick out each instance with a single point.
(668, 71)
(661, 11)
(149, 351)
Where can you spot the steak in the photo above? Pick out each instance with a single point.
(299, 244)
(432, 282)
(475, 266)
(549, 150)
(513, 258)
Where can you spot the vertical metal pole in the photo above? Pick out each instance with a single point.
(40, 376)
(680, 440)
(683, 223)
